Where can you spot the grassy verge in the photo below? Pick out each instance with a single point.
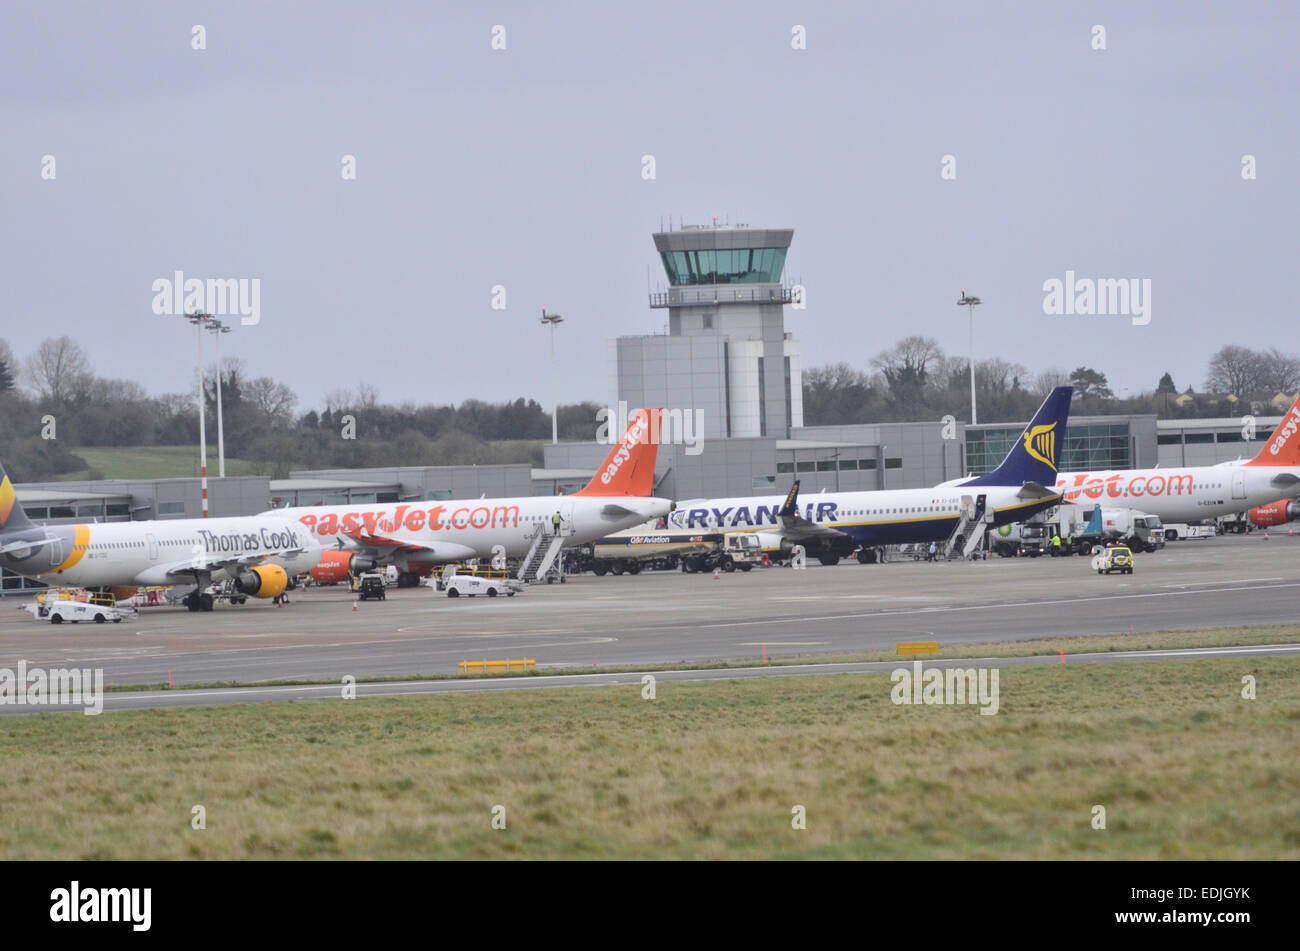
(1100, 643)
(153, 462)
(1183, 765)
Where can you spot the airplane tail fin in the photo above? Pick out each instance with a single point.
(1037, 454)
(629, 469)
(790, 506)
(1283, 447)
(12, 516)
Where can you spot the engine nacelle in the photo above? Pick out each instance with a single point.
(1275, 513)
(337, 565)
(262, 581)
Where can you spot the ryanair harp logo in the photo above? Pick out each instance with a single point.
(1040, 442)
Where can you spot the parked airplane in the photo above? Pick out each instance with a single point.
(1200, 492)
(259, 553)
(836, 524)
(417, 536)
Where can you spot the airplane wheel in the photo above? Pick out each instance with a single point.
(829, 560)
(206, 602)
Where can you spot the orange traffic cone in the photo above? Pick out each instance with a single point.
(354, 605)
(716, 573)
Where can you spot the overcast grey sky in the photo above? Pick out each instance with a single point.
(522, 167)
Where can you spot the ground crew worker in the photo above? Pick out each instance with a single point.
(555, 523)
(932, 551)
(1056, 545)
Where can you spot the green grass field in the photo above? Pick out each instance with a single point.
(1184, 766)
(152, 462)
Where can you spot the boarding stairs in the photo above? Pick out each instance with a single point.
(967, 538)
(541, 554)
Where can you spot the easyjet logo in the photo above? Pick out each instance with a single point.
(1116, 488)
(1040, 442)
(411, 519)
(636, 434)
(1286, 432)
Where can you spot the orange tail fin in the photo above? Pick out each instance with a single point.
(1283, 447)
(629, 469)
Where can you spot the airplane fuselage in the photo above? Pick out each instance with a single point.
(882, 517)
(479, 528)
(1185, 494)
(143, 553)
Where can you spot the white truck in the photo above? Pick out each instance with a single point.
(56, 611)
(458, 581)
(1182, 531)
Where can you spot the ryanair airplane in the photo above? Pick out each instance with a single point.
(836, 524)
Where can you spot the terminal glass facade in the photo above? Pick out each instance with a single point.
(1086, 447)
(735, 266)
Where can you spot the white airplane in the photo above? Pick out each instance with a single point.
(259, 553)
(1199, 492)
(417, 536)
(837, 524)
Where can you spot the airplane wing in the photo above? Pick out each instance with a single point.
(434, 550)
(20, 545)
(1036, 490)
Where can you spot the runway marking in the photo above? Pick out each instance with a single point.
(1002, 606)
(780, 643)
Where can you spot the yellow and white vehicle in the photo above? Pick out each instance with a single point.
(1115, 558)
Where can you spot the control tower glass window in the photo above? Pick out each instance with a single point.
(735, 266)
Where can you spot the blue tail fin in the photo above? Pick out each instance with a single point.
(1036, 455)
(1094, 523)
(791, 504)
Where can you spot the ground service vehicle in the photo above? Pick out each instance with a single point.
(1115, 558)
(489, 583)
(371, 586)
(56, 611)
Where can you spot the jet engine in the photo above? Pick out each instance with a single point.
(1275, 513)
(262, 581)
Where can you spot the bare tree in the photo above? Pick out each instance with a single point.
(908, 362)
(58, 368)
(1235, 370)
(996, 375)
(1279, 372)
(1048, 380)
(273, 399)
(367, 396)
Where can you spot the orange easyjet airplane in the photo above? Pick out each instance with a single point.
(417, 536)
(1199, 492)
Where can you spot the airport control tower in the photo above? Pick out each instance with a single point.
(726, 351)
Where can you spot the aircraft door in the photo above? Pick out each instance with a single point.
(153, 546)
(980, 502)
(1238, 484)
(968, 506)
(566, 517)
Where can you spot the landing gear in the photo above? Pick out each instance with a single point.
(866, 556)
(829, 559)
(408, 579)
(206, 602)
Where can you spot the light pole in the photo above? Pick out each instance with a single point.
(218, 328)
(969, 303)
(197, 318)
(552, 319)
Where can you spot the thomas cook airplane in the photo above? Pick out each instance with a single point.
(836, 524)
(259, 553)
